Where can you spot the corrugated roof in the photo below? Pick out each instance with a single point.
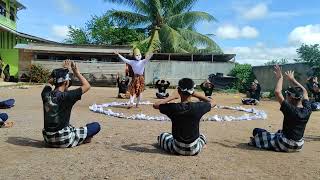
(20, 34)
(38, 47)
(19, 5)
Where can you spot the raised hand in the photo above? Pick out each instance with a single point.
(290, 75)
(74, 67)
(278, 71)
(116, 52)
(67, 64)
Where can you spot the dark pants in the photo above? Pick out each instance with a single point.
(162, 96)
(3, 118)
(93, 129)
(7, 104)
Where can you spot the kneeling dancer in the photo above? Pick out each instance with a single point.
(296, 109)
(253, 94)
(57, 106)
(185, 116)
(162, 87)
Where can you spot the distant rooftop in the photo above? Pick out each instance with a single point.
(69, 48)
(19, 5)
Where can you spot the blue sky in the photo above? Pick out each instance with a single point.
(257, 31)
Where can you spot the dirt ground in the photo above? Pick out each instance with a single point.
(125, 149)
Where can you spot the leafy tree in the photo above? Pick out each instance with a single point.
(171, 25)
(77, 36)
(101, 30)
(274, 62)
(311, 55)
(244, 75)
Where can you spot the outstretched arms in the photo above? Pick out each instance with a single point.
(122, 58)
(278, 89)
(147, 58)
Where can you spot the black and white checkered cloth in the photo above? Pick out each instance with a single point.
(65, 138)
(276, 142)
(169, 144)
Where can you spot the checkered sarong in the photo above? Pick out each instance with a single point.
(276, 142)
(169, 144)
(65, 138)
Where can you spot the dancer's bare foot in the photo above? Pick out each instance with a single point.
(88, 140)
(7, 124)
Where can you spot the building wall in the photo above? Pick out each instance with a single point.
(7, 52)
(98, 74)
(175, 70)
(266, 78)
(6, 20)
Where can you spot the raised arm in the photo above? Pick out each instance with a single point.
(148, 57)
(204, 98)
(290, 76)
(122, 58)
(167, 100)
(85, 85)
(278, 89)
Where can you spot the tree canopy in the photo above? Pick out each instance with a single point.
(170, 24)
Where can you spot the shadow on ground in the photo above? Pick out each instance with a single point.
(143, 148)
(22, 141)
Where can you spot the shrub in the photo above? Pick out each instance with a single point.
(244, 75)
(38, 74)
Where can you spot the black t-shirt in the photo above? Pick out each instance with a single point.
(123, 86)
(255, 94)
(162, 87)
(295, 119)
(185, 119)
(207, 91)
(57, 107)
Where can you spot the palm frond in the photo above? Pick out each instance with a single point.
(128, 18)
(188, 19)
(154, 42)
(172, 41)
(198, 39)
(138, 6)
(183, 6)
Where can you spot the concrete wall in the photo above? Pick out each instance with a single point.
(266, 77)
(175, 70)
(98, 74)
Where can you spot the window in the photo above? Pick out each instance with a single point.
(3, 9)
(12, 14)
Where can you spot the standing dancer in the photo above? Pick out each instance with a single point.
(137, 83)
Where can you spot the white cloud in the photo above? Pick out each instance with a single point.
(249, 32)
(309, 34)
(249, 11)
(260, 54)
(66, 6)
(60, 32)
(258, 11)
(234, 32)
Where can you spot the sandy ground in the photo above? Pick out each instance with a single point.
(125, 149)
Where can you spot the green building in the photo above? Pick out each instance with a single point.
(9, 36)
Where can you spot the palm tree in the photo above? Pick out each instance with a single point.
(170, 24)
